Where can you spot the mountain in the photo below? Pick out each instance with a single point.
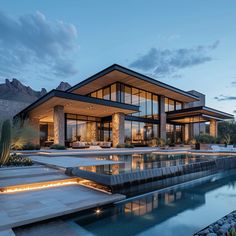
(15, 90)
(63, 86)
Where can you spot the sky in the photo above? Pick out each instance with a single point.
(189, 44)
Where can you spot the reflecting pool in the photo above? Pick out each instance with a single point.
(182, 211)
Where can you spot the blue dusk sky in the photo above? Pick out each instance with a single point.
(190, 44)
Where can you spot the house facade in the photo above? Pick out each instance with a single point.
(120, 105)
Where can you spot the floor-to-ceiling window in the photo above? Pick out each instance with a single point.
(174, 133)
(77, 127)
(172, 105)
(140, 133)
(147, 101)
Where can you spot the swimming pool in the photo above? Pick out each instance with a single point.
(140, 162)
(180, 211)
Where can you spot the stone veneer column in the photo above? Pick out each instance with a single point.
(92, 131)
(118, 128)
(213, 128)
(59, 125)
(34, 123)
(186, 132)
(162, 118)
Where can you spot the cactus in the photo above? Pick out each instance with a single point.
(5, 142)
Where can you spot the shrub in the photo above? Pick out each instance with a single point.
(29, 146)
(124, 145)
(57, 147)
(205, 139)
(18, 160)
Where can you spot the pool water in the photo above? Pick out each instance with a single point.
(182, 211)
(139, 162)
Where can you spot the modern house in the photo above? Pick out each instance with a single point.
(120, 105)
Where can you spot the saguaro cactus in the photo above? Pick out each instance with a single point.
(5, 142)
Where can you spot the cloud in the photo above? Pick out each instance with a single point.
(225, 98)
(163, 62)
(33, 42)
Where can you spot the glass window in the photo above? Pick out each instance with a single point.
(135, 99)
(136, 134)
(166, 104)
(155, 106)
(155, 131)
(142, 103)
(178, 105)
(106, 93)
(149, 105)
(169, 105)
(94, 94)
(106, 129)
(148, 132)
(71, 130)
(81, 130)
(113, 92)
(128, 94)
(128, 131)
(99, 94)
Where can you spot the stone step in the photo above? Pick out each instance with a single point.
(38, 185)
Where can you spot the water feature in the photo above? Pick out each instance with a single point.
(179, 211)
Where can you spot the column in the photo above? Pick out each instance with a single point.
(186, 132)
(34, 124)
(162, 118)
(213, 128)
(118, 128)
(92, 131)
(59, 125)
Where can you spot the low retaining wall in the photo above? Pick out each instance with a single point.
(226, 226)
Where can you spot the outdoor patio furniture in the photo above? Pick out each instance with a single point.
(80, 145)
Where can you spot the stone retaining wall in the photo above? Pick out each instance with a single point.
(9, 108)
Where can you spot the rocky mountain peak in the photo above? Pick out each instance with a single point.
(15, 90)
(63, 86)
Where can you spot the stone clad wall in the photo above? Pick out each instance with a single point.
(9, 108)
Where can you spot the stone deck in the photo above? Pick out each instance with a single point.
(21, 208)
(32, 206)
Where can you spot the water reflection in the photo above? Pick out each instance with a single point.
(192, 208)
(139, 162)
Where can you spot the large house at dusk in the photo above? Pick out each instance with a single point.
(120, 105)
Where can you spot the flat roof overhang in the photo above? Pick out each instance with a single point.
(75, 104)
(197, 115)
(117, 73)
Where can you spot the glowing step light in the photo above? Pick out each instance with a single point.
(38, 186)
